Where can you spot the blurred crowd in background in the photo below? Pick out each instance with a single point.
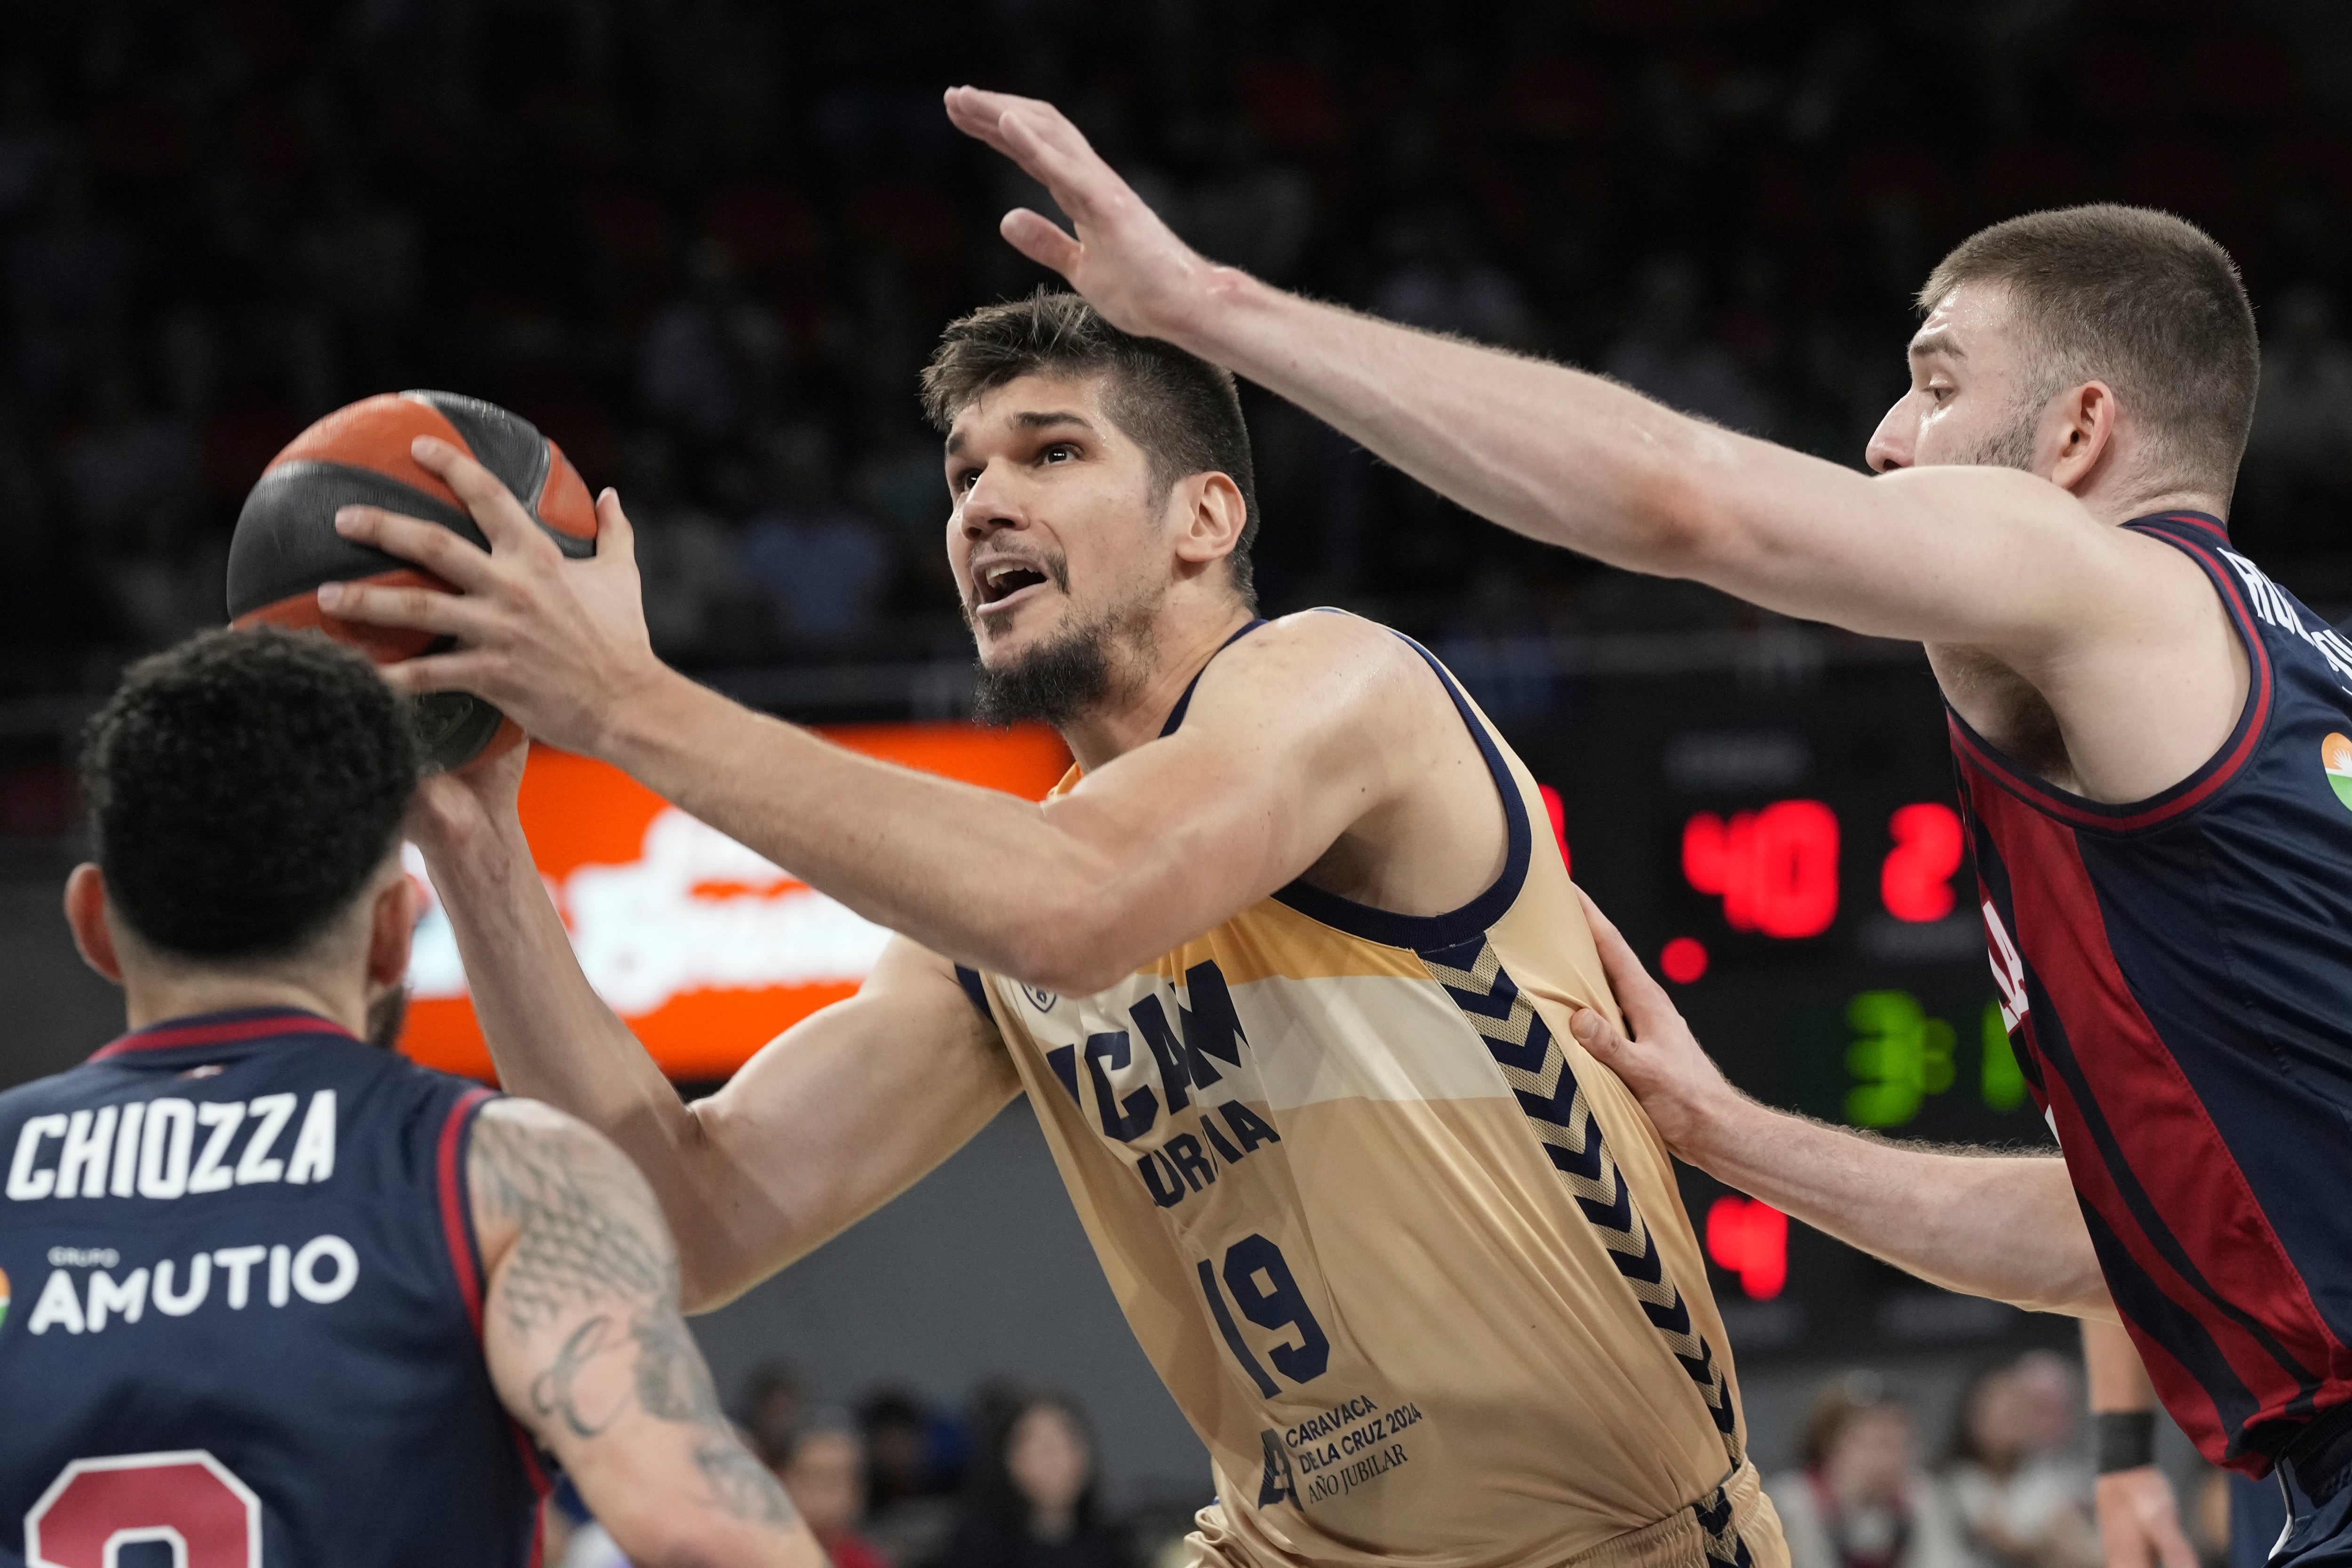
(707, 245)
(1009, 1482)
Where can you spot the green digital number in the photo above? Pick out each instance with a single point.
(1899, 1057)
(2003, 1081)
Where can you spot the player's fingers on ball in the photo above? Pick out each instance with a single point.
(438, 672)
(501, 518)
(382, 604)
(428, 545)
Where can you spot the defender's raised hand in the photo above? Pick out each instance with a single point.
(560, 645)
(1663, 1063)
(1128, 263)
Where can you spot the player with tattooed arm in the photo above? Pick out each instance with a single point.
(269, 1294)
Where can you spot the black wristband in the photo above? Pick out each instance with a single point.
(2123, 1439)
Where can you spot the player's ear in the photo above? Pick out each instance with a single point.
(398, 905)
(2085, 418)
(86, 918)
(1212, 518)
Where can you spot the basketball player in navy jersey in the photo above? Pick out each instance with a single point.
(270, 1294)
(2154, 743)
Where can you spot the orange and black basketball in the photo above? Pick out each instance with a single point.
(286, 545)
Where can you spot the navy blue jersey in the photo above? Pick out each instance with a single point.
(242, 1306)
(2176, 975)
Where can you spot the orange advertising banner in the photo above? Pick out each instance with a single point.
(706, 949)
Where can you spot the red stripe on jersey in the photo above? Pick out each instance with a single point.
(456, 1224)
(164, 1036)
(458, 1229)
(2171, 1150)
(2203, 524)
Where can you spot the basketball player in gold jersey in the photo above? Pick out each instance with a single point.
(1284, 967)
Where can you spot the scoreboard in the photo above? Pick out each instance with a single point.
(1787, 857)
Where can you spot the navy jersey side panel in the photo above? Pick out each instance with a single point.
(2178, 972)
(243, 1292)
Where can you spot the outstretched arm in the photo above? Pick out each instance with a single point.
(1271, 769)
(1987, 558)
(2003, 1226)
(581, 1331)
(837, 1115)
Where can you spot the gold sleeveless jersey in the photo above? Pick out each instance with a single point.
(1412, 1262)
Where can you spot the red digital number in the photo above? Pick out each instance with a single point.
(1775, 869)
(1556, 809)
(1916, 882)
(189, 1500)
(1749, 1237)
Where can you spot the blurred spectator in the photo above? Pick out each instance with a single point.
(360, 257)
(2024, 1497)
(2299, 457)
(819, 565)
(31, 144)
(1440, 282)
(911, 1510)
(823, 1467)
(1861, 1499)
(1668, 355)
(67, 276)
(710, 358)
(1033, 1502)
(697, 600)
(263, 211)
(128, 472)
(772, 1406)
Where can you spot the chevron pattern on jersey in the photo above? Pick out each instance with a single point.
(1536, 1066)
(1723, 1543)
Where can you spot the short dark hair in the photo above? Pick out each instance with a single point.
(1185, 412)
(2142, 299)
(242, 787)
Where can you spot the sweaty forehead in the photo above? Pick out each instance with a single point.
(1970, 319)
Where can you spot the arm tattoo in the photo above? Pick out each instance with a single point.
(740, 1484)
(584, 1241)
(577, 1241)
(555, 1390)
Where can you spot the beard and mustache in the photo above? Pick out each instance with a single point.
(2012, 446)
(1070, 675)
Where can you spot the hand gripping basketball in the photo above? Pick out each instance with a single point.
(559, 645)
(286, 546)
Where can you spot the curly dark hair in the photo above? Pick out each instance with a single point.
(1185, 412)
(242, 787)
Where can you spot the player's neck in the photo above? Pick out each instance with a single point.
(1136, 713)
(2121, 502)
(157, 996)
